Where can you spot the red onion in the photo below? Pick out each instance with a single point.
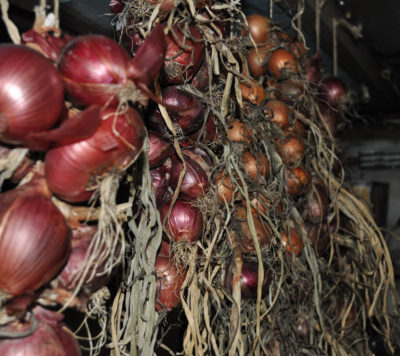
(50, 337)
(31, 93)
(72, 169)
(34, 239)
(67, 279)
(333, 91)
(189, 118)
(201, 79)
(206, 134)
(185, 222)
(200, 156)
(248, 278)
(160, 182)
(313, 69)
(46, 43)
(316, 204)
(95, 68)
(185, 53)
(329, 119)
(195, 183)
(170, 280)
(159, 149)
(116, 6)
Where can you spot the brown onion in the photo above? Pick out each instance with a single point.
(290, 91)
(169, 283)
(291, 149)
(225, 188)
(256, 61)
(279, 112)
(34, 238)
(255, 166)
(185, 53)
(262, 230)
(281, 63)
(292, 242)
(184, 223)
(72, 168)
(259, 27)
(31, 93)
(252, 92)
(297, 181)
(195, 182)
(239, 132)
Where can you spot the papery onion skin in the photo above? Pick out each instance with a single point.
(294, 243)
(71, 169)
(255, 165)
(94, 68)
(159, 149)
(185, 222)
(34, 241)
(238, 131)
(169, 283)
(298, 181)
(31, 93)
(184, 55)
(255, 62)
(259, 27)
(195, 183)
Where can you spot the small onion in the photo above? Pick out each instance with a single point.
(185, 53)
(248, 278)
(207, 133)
(159, 149)
(225, 188)
(239, 132)
(279, 112)
(200, 156)
(72, 168)
(263, 232)
(290, 91)
(189, 117)
(333, 91)
(255, 166)
(291, 149)
(116, 6)
(201, 79)
(298, 181)
(160, 182)
(329, 119)
(319, 238)
(252, 92)
(259, 27)
(31, 93)
(313, 69)
(195, 183)
(316, 204)
(295, 128)
(34, 239)
(169, 283)
(256, 61)
(281, 63)
(185, 222)
(292, 242)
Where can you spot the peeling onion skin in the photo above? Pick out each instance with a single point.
(71, 169)
(34, 241)
(31, 93)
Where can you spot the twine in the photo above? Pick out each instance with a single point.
(11, 28)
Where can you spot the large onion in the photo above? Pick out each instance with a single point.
(72, 168)
(31, 93)
(34, 239)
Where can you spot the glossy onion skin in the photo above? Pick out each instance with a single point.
(71, 169)
(94, 68)
(185, 221)
(34, 241)
(31, 93)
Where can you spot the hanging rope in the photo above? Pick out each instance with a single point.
(271, 8)
(298, 16)
(11, 28)
(319, 4)
(355, 30)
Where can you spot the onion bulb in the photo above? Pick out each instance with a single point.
(72, 169)
(279, 112)
(34, 239)
(255, 165)
(281, 63)
(292, 241)
(159, 149)
(259, 27)
(291, 149)
(256, 61)
(184, 223)
(333, 91)
(297, 181)
(31, 93)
